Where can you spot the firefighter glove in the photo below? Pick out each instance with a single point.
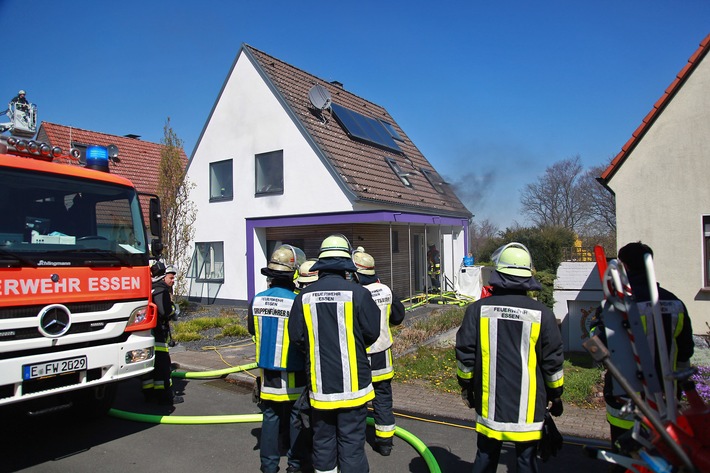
(468, 398)
(556, 407)
(256, 392)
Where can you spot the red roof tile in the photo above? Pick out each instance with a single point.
(139, 160)
(360, 166)
(658, 107)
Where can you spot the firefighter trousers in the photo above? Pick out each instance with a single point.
(339, 440)
(281, 417)
(488, 455)
(382, 412)
(157, 384)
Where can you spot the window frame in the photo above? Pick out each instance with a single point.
(429, 174)
(214, 167)
(705, 228)
(403, 177)
(276, 191)
(196, 271)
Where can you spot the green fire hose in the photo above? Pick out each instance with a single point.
(405, 435)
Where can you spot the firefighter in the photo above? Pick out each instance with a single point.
(434, 264)
(306, 275)
(157, 386)
(283, 375)
(676, 326)
(380, 353)
(333, 321)
(509, 352)
(20, 101)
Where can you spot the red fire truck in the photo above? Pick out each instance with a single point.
(75, 307)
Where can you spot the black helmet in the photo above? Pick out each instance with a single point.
(159, 269)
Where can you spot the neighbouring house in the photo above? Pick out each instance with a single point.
(139, 160)
(661, 183)
(288, 158)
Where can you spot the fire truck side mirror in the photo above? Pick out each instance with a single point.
(156, 218)
(156, 247)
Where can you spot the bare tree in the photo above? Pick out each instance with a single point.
(602, 216)
(557, 199)
(480, 233)
(179, 212)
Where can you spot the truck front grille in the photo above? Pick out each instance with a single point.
(74, 308)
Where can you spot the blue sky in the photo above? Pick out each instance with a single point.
(491, 92)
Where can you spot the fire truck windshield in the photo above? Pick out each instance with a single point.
(63, 220)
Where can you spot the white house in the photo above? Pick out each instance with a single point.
(661, 183)
(286, 157)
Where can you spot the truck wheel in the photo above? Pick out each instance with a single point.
(94, 402)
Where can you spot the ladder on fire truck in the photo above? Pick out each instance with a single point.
(23, 120)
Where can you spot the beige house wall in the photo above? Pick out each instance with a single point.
(663, 191)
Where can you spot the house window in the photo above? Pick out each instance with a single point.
(395, 241)
(221, 181)
(706, 250)
(404, 177)
(208, 262)
(435, 182)
(270, 173)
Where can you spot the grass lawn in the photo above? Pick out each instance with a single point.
(437, 367)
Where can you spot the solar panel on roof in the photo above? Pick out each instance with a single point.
(364, 128)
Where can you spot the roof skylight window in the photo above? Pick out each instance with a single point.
(364, 128)
(435, 181)
(403, 176)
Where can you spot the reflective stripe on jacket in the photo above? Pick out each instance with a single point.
(282, 385)
(382, 295)
(510, 349)
(270, 310)
(333, 320)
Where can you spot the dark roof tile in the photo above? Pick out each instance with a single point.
(361, 166)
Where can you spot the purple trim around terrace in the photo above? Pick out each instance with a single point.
(335, 218)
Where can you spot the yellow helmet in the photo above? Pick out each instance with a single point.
(514, 259)
(364, 262)
(286, 258)
(335, 246)
(305, 275)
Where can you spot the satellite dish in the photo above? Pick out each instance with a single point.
(319, 97)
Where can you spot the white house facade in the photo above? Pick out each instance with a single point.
(271, 168)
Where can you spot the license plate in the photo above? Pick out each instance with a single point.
(51, 368)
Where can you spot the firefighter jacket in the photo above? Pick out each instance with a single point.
(391, 312)
(679, 341)
(332, 321)
(509, 352)
(282, 365)
(162, 299)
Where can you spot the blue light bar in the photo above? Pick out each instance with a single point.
(97, 157)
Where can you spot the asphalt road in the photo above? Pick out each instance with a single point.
(60, 443)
